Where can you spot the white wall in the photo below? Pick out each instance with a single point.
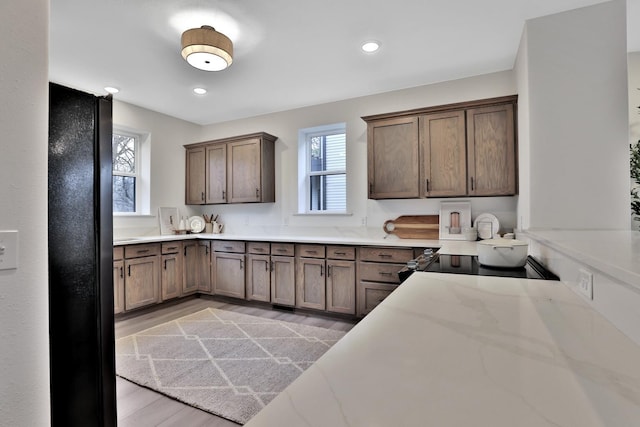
(24, 344)
(578, 130)
(521, 72)
(167, 135)
(285, 126)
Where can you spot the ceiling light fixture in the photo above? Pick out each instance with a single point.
(111, 89)
(199, 90)
(370, 46)
(206, 49)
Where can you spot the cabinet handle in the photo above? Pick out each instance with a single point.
(173, 248)
(241, 264)
(472, 184)
(271, 265)
(385, 255)
(224, 194)
(165, 264)
(257, 193)
(129, 270)
(202, 196)
(281, 250)
(266, 266)
(185, 251)
(328, 271)
(312, 252)
(142, 251)
(121, 272)
(340, 253)
(321, 270)
(206, 250)
(427, 185)
(382, 273)
(228, 247)
(370, 188)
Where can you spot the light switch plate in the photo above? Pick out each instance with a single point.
(8, 250)
(585, 283)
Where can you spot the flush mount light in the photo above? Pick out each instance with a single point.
(206, 49)
(199, 90)
(370, 46)
(111, 89)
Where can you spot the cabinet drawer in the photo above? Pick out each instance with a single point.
(310, 251)
(171, 248)
(284, 249)
(373, 294)
(376, 254)
(341, 252)
(262, 248)
(228, 246)
(136, 251)
(118, 253)
(379, 272)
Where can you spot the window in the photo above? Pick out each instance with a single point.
(322, 169)
(125, 149)
(130, 172)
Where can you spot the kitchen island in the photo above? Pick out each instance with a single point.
(457, 350)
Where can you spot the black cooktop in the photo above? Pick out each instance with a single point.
(468, 264)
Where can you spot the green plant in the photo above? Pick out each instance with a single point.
(635, 175)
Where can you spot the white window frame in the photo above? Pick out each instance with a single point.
(142, 175)
(304, 167)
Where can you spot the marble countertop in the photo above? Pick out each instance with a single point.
(320, 235)
(458, 350)
(614, 252)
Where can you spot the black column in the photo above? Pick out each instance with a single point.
(81, 327)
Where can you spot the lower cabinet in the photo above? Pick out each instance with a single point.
(310, 283)
(378, 274)
(228, 269)
(283, 274)
(142, 276)
(341, 286)
(171, 271)
(258, 271)
(196, 267)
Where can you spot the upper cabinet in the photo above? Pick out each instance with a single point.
(232, 170)
(464, 149)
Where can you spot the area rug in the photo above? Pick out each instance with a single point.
(229, 364)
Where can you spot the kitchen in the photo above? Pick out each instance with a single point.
(557, 209)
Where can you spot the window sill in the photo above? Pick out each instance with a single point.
(323, 214)
(132, 215)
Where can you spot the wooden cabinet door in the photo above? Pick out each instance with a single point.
(258, 278)
(444, 154)
(142, 281)
(310, 283)
(118, 286)
(171, 276)
(195, 176)
(393, 162)
(341, 286)
(491, 151)
(371, 294)
(216, 173)
(204, 267)
(190, 268)
(229, 276)
(243, 171)
(283, 286)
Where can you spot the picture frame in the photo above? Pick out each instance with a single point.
(168, 220)
(455, 220)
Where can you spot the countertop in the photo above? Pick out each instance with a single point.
(320, 235)
(458, 350)
(614, 252)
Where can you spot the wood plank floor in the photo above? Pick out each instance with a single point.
(140, 407)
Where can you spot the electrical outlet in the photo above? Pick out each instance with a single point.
(363, 221)
(8, 250)
(585, 283)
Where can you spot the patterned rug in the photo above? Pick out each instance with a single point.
(226, 363)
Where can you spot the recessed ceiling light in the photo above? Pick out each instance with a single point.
(199, 91)
(370, 46)
(111, 89)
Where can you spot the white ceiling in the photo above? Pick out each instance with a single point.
(288, 53)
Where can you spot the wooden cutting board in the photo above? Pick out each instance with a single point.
(414, 227)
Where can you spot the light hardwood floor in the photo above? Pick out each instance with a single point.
(140, 407)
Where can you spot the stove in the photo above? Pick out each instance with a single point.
(468, 264)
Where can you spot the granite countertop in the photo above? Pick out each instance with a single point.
(458, 350)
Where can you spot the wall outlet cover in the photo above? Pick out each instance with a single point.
(8, 250)
(585, 283)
